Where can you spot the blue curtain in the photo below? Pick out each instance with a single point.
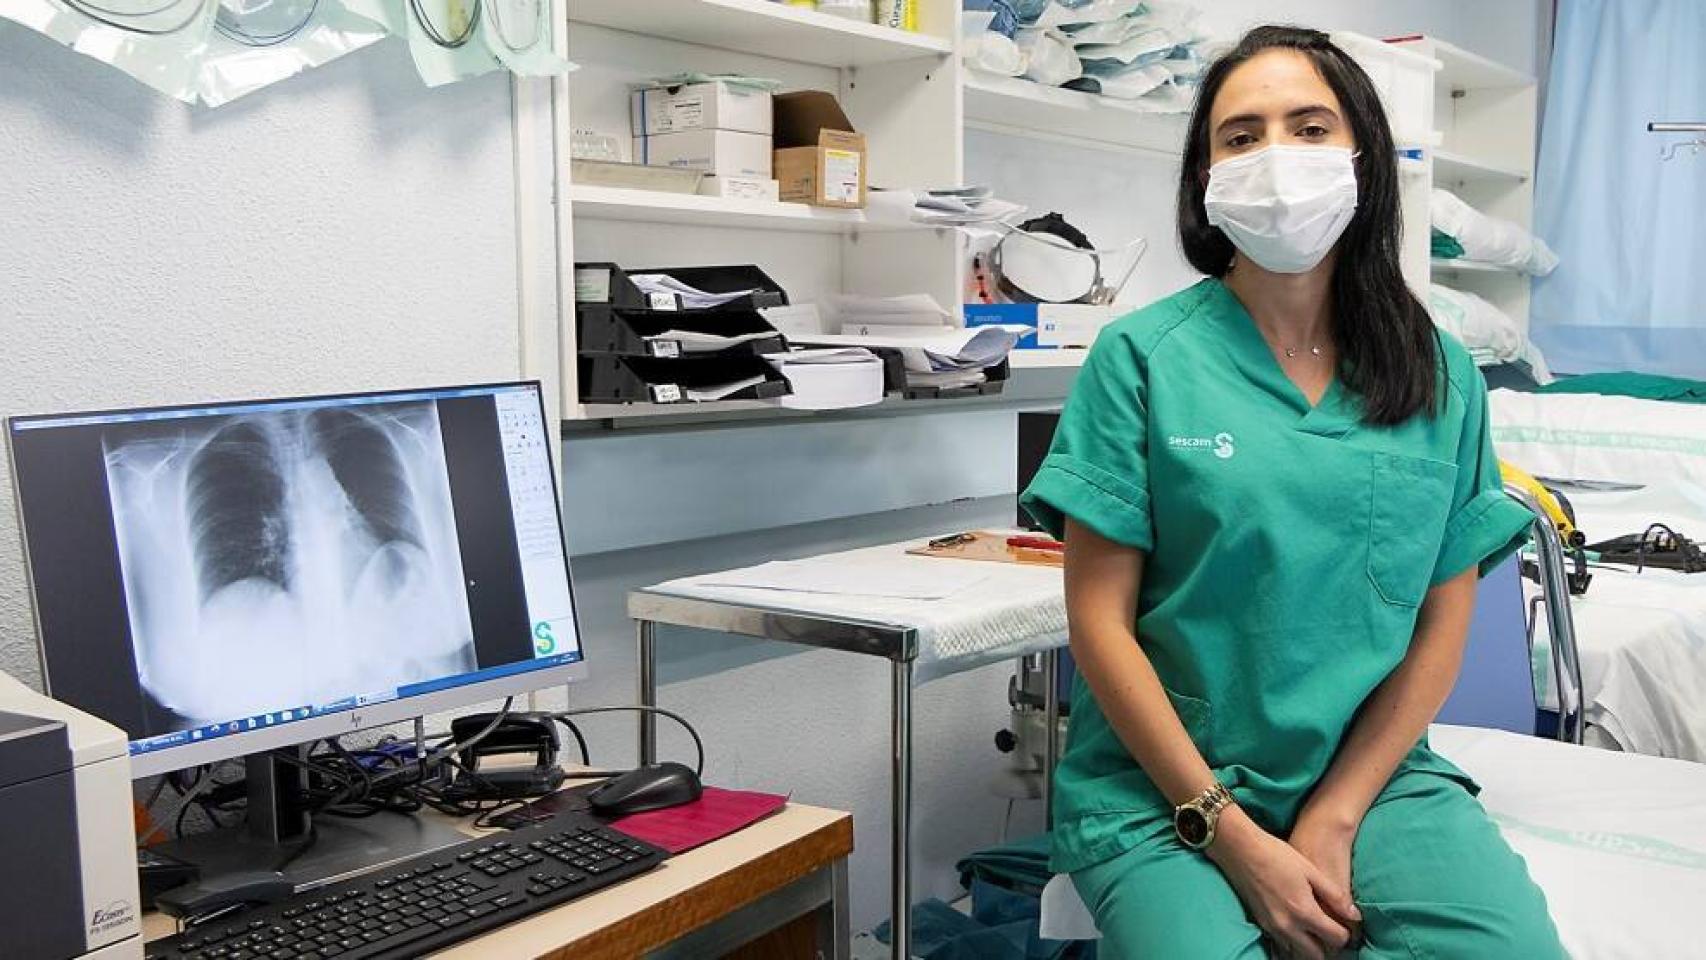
(1630, 292)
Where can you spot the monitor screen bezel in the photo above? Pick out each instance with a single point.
(344, 721)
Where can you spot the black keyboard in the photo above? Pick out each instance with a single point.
(426, 903)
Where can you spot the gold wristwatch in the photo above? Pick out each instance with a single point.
(1195, 819)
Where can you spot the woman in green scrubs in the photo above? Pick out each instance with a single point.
(1277, 490)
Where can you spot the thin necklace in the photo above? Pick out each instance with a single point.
(1291, 352)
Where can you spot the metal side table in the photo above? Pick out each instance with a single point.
(897, 643)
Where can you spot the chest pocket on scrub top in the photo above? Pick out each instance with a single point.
(1411, 502)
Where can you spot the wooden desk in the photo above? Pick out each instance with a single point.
(786, 872)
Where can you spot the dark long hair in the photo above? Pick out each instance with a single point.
(1388, 353)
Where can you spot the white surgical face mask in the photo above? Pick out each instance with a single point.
(1284, 207)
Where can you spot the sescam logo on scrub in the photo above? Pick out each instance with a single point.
(1220, 444)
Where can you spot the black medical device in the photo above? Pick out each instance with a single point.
(488, 769)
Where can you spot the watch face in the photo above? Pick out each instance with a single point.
(1192, 826)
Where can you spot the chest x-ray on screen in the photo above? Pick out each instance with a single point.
(287, 557)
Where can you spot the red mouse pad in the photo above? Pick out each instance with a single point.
(716, 814)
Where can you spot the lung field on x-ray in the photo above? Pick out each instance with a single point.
(288, 558)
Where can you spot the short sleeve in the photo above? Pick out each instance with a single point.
(1486, 525)
(1096, 470)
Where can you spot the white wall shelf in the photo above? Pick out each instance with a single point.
(1453, 167)
(652, 206)
(1022, 107)
(762, 28)
(1482, 117)
(1463, 70)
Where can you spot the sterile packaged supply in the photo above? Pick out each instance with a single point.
(714, 105)
(594, 145)
(725, 153)
(740, 188)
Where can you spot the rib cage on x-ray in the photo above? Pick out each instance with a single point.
(288, 558)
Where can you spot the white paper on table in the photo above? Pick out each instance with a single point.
(720, 390)
(906, 578)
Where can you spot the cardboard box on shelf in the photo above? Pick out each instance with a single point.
(715, 105)
(739, 188)
(725, 153)
(820, 158)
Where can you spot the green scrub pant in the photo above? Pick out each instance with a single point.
(1429, 872)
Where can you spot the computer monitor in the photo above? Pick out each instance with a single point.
(227, 579)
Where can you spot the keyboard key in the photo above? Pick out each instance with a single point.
(480, 910)
(538, 890)
(452, 919)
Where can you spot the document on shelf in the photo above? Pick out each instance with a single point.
(719, 391)
(947, 379)
(692, 298)
(794, 319)
(950, 207)
(694, 341)
(917, 309)
(927, 349)
(824, 355)
(905, 578)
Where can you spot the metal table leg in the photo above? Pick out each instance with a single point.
(900, 851)
(1051, 736)
(647, 631)
(835, 932)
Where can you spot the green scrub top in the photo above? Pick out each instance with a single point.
(1288, 550)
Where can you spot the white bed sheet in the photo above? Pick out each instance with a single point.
(1007, 611)
(1616, 840)
(1642, 636)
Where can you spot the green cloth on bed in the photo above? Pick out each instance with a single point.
(1444, 246)
(1646, 386)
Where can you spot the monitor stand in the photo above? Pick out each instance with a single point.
(277, 824)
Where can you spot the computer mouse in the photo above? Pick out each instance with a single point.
(648, 788)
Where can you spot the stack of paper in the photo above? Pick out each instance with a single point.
(697, 341)
(947, 207)
(830, 379)
(935, 352)
(687, 295)
(718, 391)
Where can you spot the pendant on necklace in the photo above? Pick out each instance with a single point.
(1291, 352)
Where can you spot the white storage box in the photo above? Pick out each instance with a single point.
(1073, 324)
(740, 188)
(700, 106)
(725, 153)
